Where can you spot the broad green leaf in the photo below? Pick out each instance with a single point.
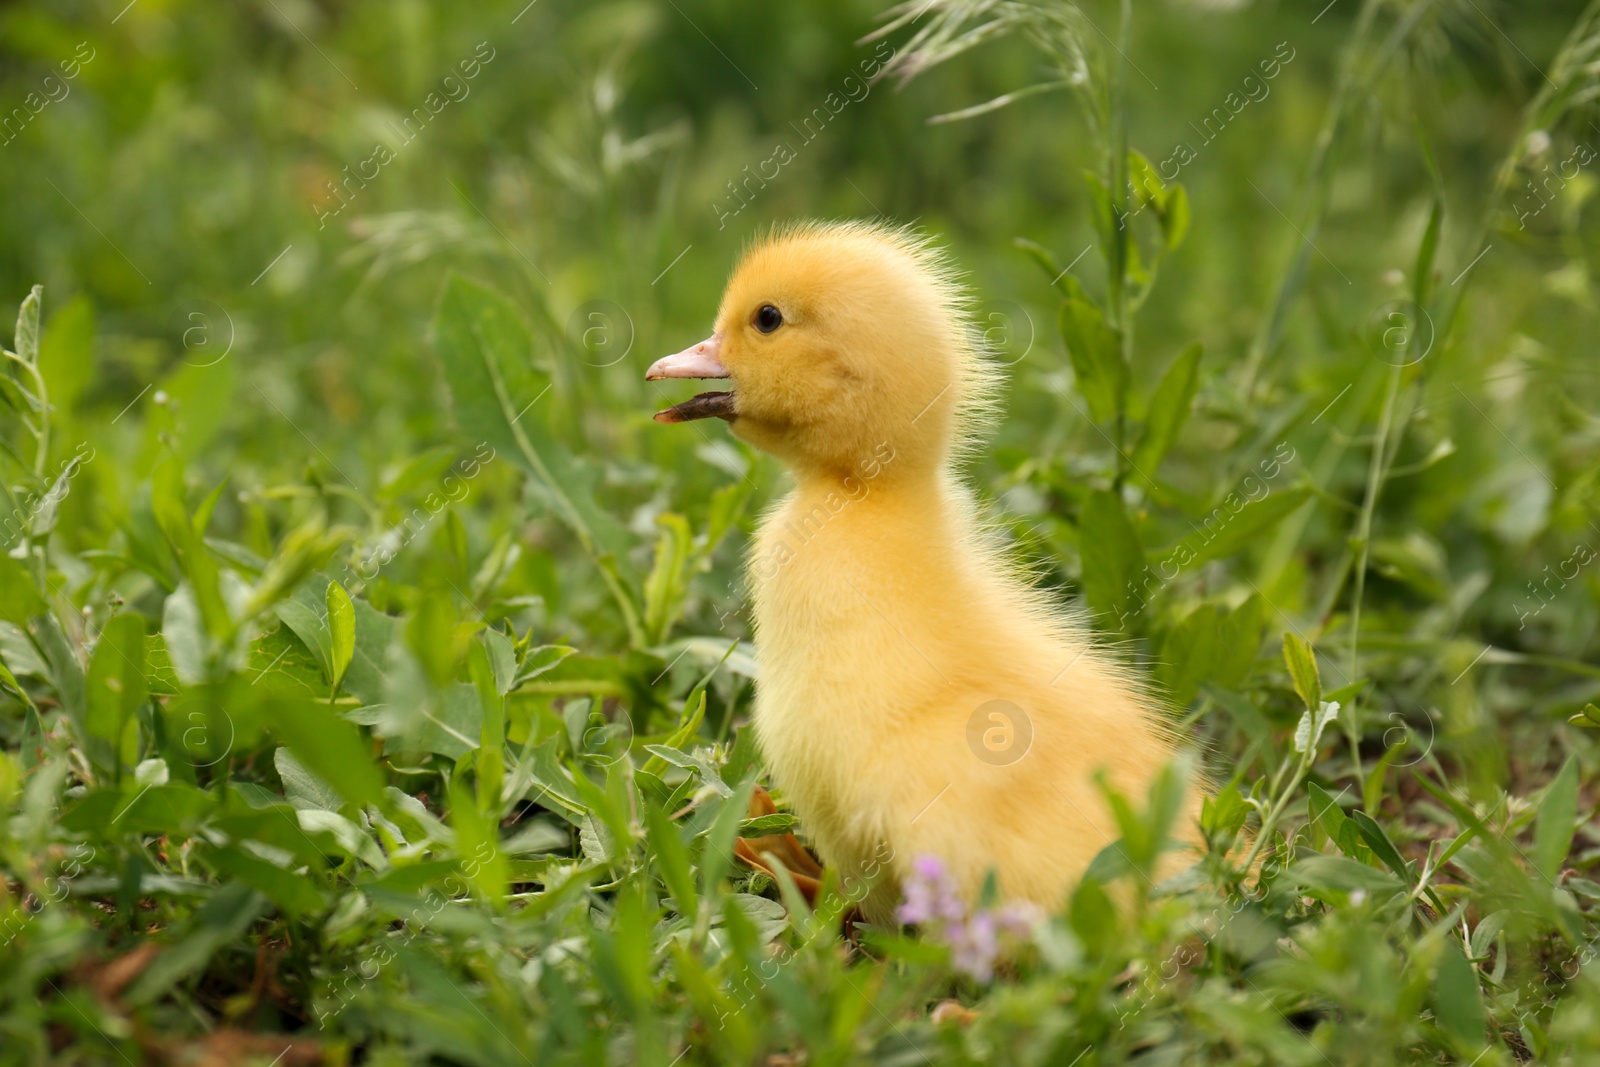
(329, 747)
(1380, 844)
(1323, 812)
(1175, 217)
(1557, 822)
(1096, 353)
(1589, 717)
(1324, 872)
(1113, 562)
(65, 669)
(482, 860)
(291, 891)
(281, 663)
(1458, 998)
(1302, 662)
(19, 599)
(492, 733)
(48, 507)
(66, 353)
(767, 825)
(717, 859)
(26, 340)
(183, 635)
(116, 687)
(1212, 646)
(366, 677)
(311, 628)
(341, 631)
(668, 581)
(303, 789)
(1169, 409)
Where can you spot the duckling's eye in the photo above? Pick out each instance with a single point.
(768, 318)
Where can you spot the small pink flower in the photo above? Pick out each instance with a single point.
(976, 941)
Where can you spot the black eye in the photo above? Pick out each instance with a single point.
(768, 318)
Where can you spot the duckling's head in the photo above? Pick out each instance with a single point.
(840, 340)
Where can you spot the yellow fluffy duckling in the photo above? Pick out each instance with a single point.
(916, 696)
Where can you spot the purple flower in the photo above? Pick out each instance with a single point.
(976, 941)
(931, 895)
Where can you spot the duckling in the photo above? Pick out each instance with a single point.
(917, 696)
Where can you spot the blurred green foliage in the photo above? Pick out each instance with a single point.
(373, 671)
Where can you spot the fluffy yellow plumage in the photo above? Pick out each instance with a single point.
(916, 695)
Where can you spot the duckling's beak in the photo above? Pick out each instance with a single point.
(703, 360)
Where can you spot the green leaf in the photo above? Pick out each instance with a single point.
(1589, 717)
(1174, 215)
(1308, 732)
(1169, 409)
(301, 788)
(490, 757)
(668, 581)
(1113, 561)
(482, 859)
(221, 922)
(672, 859)
(341, 630)
(66, 353)
(1096, 353)
(291, 891)
(1212, 646)
(1236, 528)
(1324, 872)
(718, 857)
(368, 673)
(1302, 663)
(1380, 844)
(1552, 833)
(487, 351)
(329, 747)
(311, 628)
(1458, 998)
(19, 598)
(65, 670)
(116, 687)
(1046, 260)
(48, 507)
(26, 342)
(767, 825)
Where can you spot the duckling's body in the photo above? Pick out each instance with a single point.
(916, 695)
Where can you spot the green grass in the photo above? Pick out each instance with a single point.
(376, 673)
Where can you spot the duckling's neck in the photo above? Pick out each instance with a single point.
(839, 538)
